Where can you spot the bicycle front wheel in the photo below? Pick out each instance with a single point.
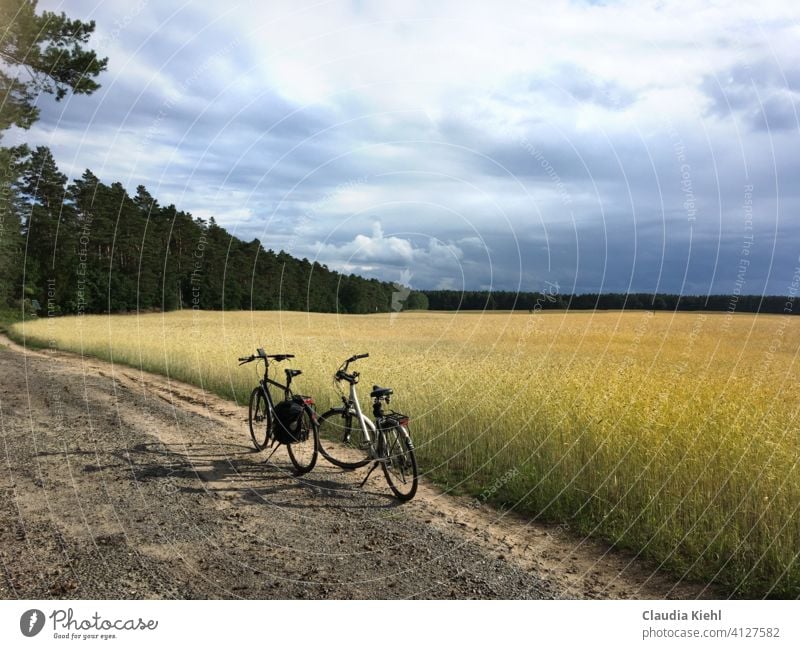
(340, 442)
(303, 453)
(259, 419)
(399, 462)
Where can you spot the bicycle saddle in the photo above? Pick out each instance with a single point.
(293, 372)
(378, 391)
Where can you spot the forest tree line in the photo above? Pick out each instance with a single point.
(449, 300)
(89, 247)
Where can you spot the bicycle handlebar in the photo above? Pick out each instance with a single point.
(341, 373)
(276, 357)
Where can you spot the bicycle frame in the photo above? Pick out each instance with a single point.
(367, 427)
(265, 381)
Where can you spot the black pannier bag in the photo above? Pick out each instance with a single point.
(289, 425)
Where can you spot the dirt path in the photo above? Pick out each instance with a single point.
(122, 484)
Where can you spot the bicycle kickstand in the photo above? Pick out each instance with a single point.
(369, 473)
(277, 446)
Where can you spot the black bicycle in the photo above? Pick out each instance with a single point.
(291, 422)
(351, 440)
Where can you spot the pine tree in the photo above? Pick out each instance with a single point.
(39, 54)
(48, 246)
(42, 54)
(10, 225)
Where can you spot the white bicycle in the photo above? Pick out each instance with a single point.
(349, 440)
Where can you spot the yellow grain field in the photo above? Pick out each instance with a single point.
(675, 435)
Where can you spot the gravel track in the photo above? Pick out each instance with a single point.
(122, 484)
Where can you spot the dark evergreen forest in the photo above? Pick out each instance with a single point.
(89, 247)
(532, 301)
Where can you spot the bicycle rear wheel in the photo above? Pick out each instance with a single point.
(303, 454)
(340, 442)
(260, 419)
(399, 462)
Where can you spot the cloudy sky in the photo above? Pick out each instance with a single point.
(603, 146)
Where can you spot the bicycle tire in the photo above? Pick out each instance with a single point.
(259, 418)
(304, 454)
(399, 462)
(340, 443)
